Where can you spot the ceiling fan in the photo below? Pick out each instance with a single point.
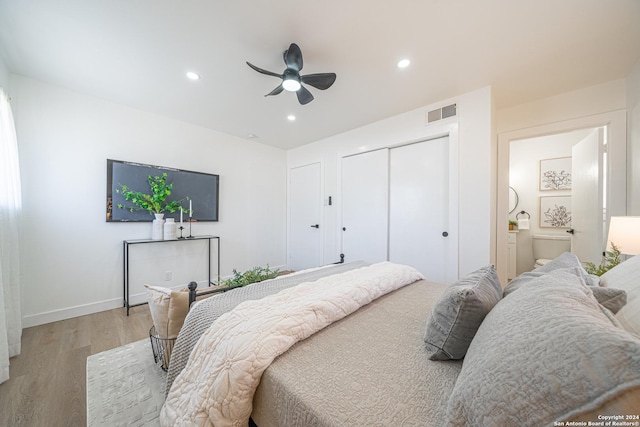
(292, 80)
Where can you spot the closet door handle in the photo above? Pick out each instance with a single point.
(315, 226)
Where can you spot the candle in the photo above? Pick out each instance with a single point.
(190, 209)
(180, 216)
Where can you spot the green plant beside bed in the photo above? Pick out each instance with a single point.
(256, 274)
(610, 260)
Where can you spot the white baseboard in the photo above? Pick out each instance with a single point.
(85, 309)
(96, 307)
(70, 312)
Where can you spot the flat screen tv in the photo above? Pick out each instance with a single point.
(200, 188)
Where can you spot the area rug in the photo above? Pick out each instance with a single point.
(124, 387)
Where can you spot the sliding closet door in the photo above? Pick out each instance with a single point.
(365, 200)
(419, 207)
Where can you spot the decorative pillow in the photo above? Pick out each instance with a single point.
(456, 316)
(168, 310)
(626, 276)
(612, 299)
(548, 353)
(566, 260)
(528, 276)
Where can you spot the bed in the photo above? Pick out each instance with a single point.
(546, 350)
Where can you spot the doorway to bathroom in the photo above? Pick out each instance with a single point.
(542, 171)
(560, 181)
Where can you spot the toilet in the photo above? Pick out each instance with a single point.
(547, 247)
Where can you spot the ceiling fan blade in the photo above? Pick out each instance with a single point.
(276, 91)
(320, 81)
(268, 73)
(293, 57)
(304, 96)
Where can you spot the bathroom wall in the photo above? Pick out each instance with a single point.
(524, 175)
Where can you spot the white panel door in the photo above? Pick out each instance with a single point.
(305, 204)
(365, 201)
(419, 207)
(587, 216)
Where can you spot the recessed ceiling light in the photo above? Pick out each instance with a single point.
(403, 63)
(291, 117)
(193, 76)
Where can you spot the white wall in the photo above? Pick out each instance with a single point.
(71, 259)
(476, 154)
(4, 75)
(633, 123)
(605, 97)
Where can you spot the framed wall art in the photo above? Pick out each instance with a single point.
(555, 212)
(555, 174)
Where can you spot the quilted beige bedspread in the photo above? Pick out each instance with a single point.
(217, 385)
(369, 368)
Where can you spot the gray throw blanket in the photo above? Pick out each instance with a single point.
(205, 312)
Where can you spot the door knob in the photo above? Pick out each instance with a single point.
(315, 226)
(571, 231)
(445, 234)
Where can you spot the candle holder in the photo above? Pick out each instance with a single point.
(190, 236)
(180, 228)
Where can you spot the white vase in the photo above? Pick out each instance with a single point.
(170, 229)
(157, 228)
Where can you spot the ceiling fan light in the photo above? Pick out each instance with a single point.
(291, 84)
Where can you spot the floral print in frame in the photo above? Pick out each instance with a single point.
(555, 174)
(555, 212)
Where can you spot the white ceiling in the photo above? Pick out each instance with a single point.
(136, 53)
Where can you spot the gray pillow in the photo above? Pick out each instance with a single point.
(610, 298)
(457, 315)
(566, 260)
(546, 353)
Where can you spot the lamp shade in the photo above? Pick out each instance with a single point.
(624, 232)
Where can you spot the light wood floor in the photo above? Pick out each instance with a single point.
(47, 385)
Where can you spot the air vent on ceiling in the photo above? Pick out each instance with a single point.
(441, 113)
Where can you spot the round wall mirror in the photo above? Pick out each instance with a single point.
(513, 200)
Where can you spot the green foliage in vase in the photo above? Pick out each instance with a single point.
(610, 260)
(256, 274)
(154, 203)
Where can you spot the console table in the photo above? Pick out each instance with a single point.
(127, 243)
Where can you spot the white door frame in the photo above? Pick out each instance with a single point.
(616, 122)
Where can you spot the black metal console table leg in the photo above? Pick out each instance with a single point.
(125, 269)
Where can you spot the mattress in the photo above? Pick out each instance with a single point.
(369, 368)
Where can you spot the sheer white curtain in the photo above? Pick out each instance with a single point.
(10, 207)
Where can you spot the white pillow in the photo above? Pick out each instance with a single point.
(626, 276)
(168, 310)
